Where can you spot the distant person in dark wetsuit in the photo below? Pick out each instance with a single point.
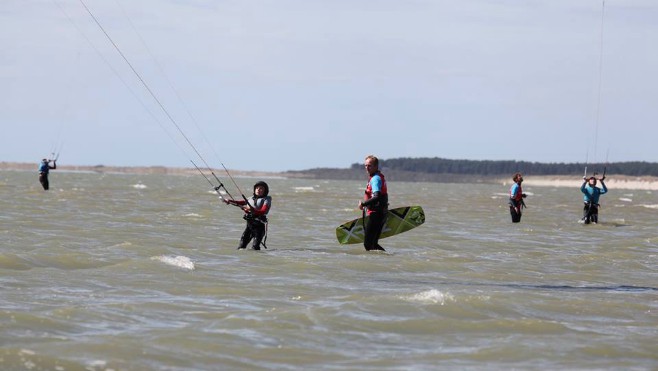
(255, 209)
(374, 204)
(591, 194)
(44, 169)
(516, 197)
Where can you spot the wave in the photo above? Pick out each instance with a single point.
(180, 261)
(430, 297)
(303, 189)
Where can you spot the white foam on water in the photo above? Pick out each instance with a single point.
(192, 215)
(177, 261)
(139, 186)
(97, 363)
(430, 297)
(625, 199)
(654, 206)
(221, 192)
(303, 189)
(27, 352)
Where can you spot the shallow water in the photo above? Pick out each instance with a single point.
(140, 272)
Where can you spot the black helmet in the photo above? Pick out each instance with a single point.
(261, 183)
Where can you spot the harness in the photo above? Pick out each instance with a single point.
(257, 203)
(516, 199)
(382, 202)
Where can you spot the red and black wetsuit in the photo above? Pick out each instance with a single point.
(256, 217)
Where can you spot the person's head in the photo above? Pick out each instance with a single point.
(371, 164)
(44, 160)
(517, 178)
(592, 181)
(261, 189)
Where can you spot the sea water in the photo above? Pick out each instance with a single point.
(141, 272)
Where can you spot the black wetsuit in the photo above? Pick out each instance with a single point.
(44, 169)
(256, 228)
(376, 203)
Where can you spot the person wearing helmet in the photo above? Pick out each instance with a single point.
(374, 204)
(44, 168)
(591, 194)
(255, 209)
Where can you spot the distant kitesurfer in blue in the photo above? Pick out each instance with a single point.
(255, 213)
(44, 169)
(374, 204)
(516, 197)
(591, 194)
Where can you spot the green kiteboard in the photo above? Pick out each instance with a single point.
(398, 220)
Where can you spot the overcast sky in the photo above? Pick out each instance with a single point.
(295, 84)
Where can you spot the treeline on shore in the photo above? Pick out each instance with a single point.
(437, 165)
(425, 169)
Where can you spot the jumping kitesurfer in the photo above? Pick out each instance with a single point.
(591, 194)
(255, 213)
(374, 204)
(516, 197)
(44, 169)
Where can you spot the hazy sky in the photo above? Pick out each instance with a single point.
(296, 84)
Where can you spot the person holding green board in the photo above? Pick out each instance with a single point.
(374, 204)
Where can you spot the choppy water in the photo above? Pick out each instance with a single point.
(140, 272)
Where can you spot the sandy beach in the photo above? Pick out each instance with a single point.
(648, 183)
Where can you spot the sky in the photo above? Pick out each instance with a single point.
(276, 85)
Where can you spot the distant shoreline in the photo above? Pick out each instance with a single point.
(614, 182)
(647, 183)
(162, 170)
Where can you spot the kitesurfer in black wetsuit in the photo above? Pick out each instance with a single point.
(591, 194)
(44, 168)
(374, 204)
(255, 209)
(516, 197)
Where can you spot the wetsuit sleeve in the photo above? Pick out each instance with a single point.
(604, 188)
(376, 184)
(582, 187)
(373, 200)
